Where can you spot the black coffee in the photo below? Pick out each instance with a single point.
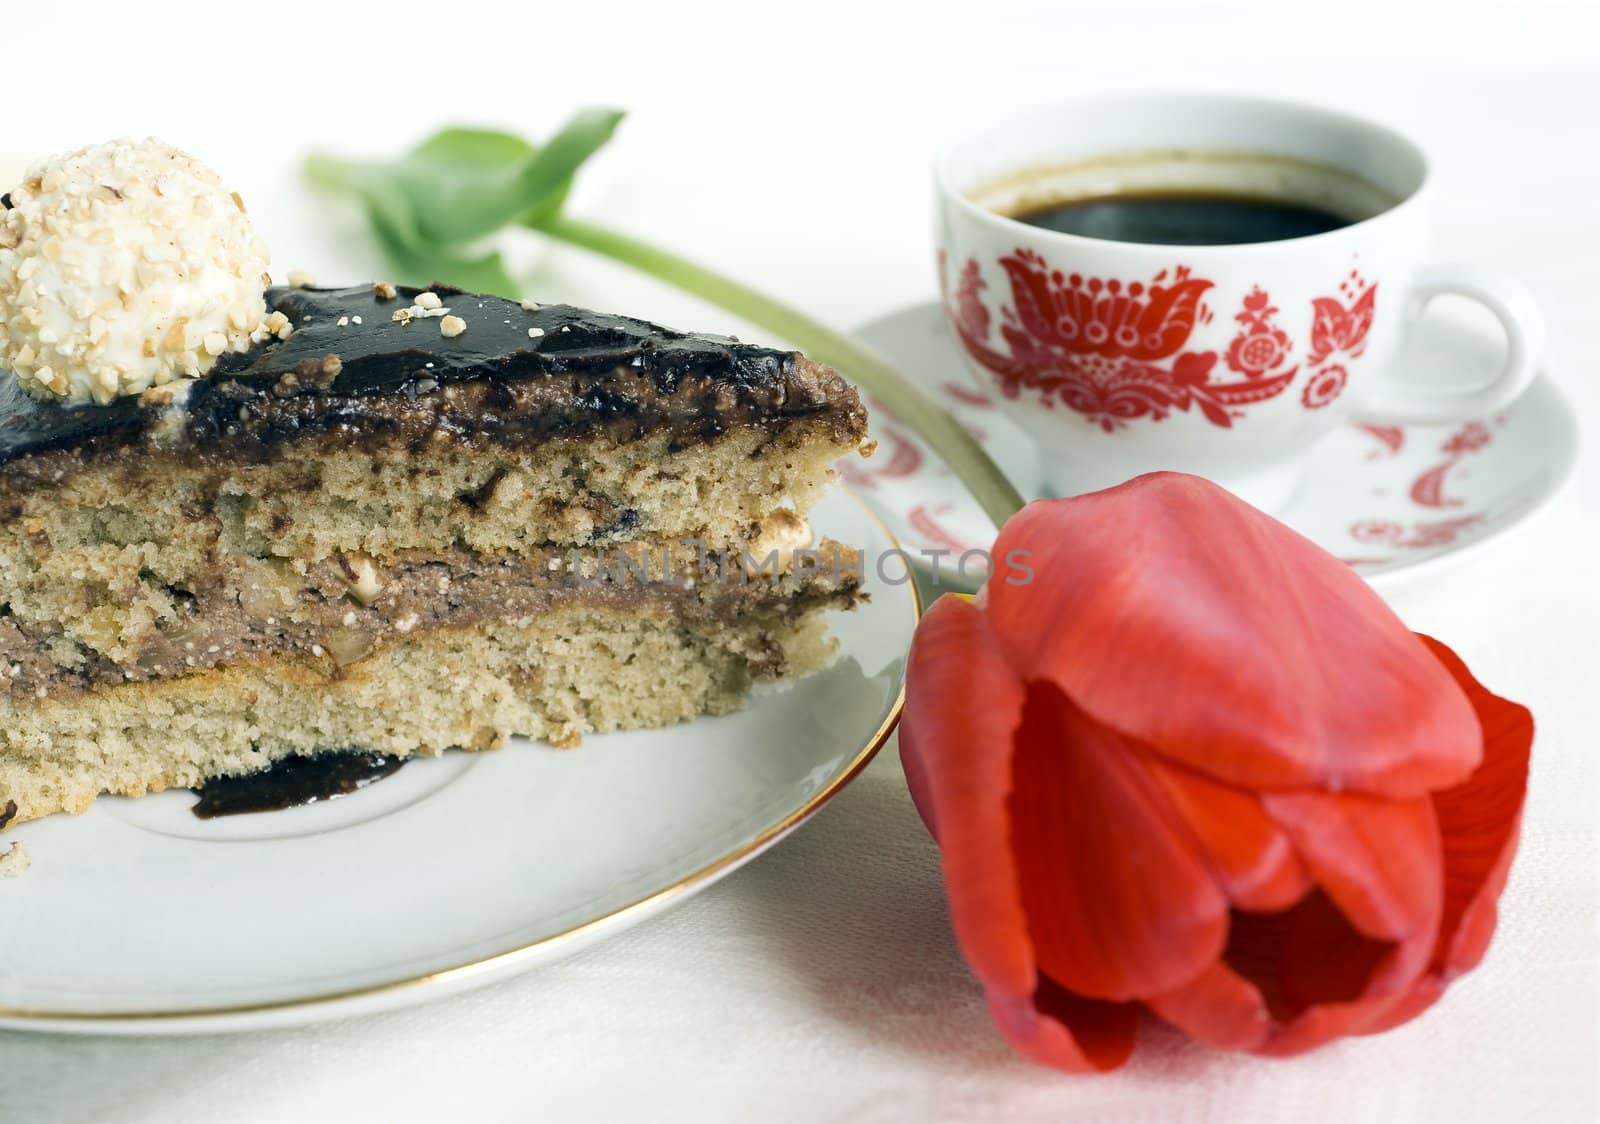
(1183, 219)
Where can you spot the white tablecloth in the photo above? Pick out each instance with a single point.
(790, 147)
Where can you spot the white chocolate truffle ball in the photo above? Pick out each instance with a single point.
(123, 266)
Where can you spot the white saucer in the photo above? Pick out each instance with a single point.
(138, 918)
(1393, 502)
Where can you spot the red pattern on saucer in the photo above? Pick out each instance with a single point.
(1428, 488)
(1419, 535)
(1382, 497)
(1392, 438)
(898, 455)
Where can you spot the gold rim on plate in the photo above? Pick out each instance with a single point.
(508, 960)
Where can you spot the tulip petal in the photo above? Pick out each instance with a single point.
(1324, 959)
(962, 710)
(1067, 1031)
(1294, 980)
(1335, 981)
(1217, 1007)
(1120, 903)
(1479, 821)
(1378, 860)
(1216, 636)
(1251, 855)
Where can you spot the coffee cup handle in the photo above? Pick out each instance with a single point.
(1513, 305)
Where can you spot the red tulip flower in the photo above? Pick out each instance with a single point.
(1196, 766)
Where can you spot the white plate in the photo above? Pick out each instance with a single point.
(1394, 502)
(139, 918)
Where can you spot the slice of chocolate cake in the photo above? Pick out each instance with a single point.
(407, 521)
(241, 525)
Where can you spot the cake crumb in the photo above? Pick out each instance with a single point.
(427, 299)
(452, 326)
(530, 306)
(384, 290)
(301, 279)
(15, 862)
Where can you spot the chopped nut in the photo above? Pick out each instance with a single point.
(452, 326)
(404, 315)
(362, 574)
(314, 372)
(535, 333)
(301, 279)
(384, 290)
(427, 299)
(343, 321)
(277, 324)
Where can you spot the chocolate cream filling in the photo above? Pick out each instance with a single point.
(333, 613)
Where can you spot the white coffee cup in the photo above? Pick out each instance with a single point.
(1228, 361)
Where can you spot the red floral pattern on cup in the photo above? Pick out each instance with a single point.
(1118, 351)
(1261, 346)
(1341, 326)
(1324, 386)
(1114, 351)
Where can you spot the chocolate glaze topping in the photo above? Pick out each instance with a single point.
(586, 372)
(294, 781)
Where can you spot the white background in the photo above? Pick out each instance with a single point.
(789, 144)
